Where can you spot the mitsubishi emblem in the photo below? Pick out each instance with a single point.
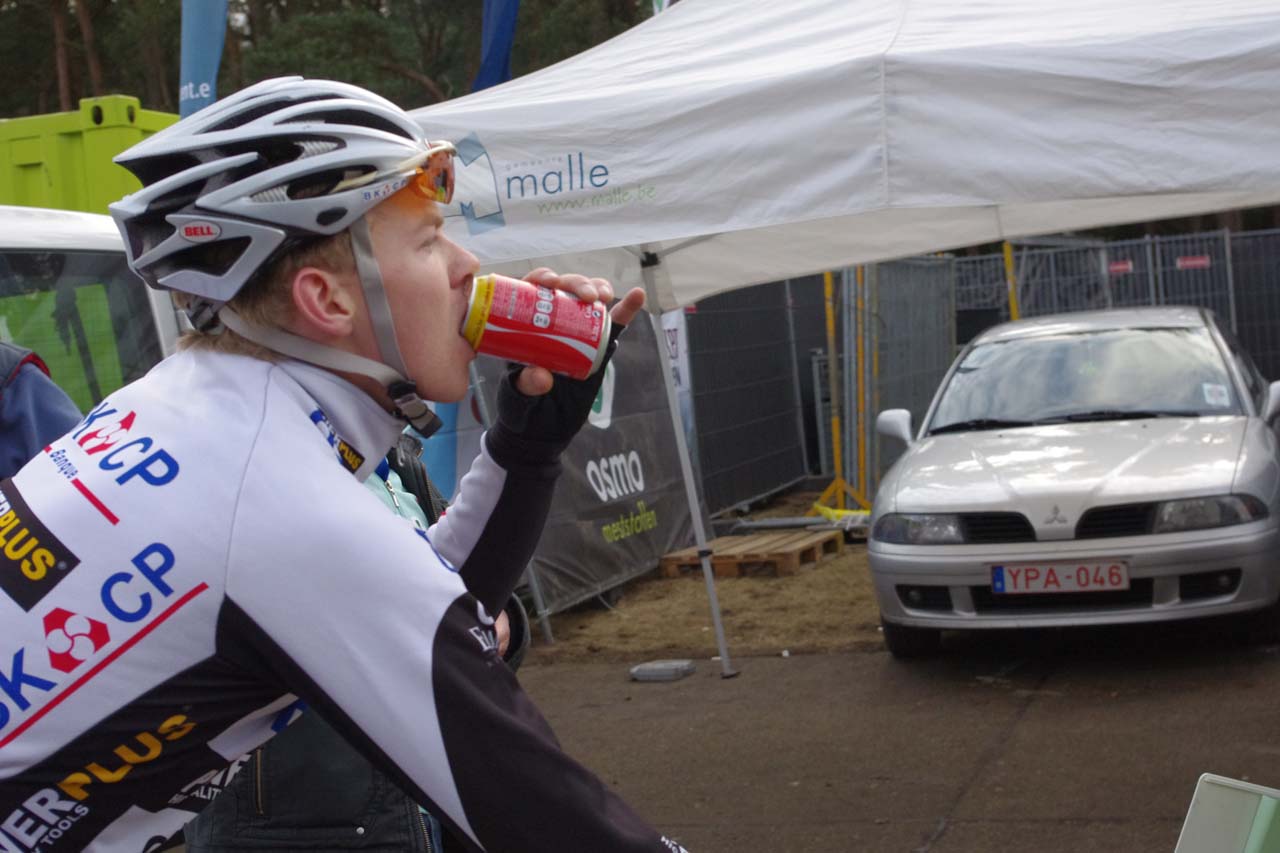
(1056, 517)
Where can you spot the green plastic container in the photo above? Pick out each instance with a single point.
(63, 160)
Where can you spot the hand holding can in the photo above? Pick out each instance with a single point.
(525, 322)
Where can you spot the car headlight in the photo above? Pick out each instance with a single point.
(1203, 513)
(918, 529)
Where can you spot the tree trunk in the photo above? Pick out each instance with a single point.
(432, 88)
(235, 58)
(155, 76)
(259, 21)
(59, 10)
(90, 47)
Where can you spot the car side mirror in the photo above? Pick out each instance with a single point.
(1273, 403)
(896, 423)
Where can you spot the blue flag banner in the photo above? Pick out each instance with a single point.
(204, 25)
(496, 37)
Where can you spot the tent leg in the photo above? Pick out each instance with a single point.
(647, 263)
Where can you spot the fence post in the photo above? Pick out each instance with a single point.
(795, 373)
(851, 366)
(871, 388)
(1231, 280)
(1105, 268)
(1151, 270)
(817, 359)
(1158, 267)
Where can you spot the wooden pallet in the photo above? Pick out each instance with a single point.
(777, 553)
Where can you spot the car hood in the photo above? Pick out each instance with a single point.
(1069, 466)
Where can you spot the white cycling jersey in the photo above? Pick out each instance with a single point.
(196, 556)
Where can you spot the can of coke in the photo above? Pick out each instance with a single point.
(525, 322)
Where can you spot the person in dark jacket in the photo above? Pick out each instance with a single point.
(33, 409)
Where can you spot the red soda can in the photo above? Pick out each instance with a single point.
(525, 322)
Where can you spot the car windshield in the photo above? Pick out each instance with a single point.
(1103, 375)
(85, 313)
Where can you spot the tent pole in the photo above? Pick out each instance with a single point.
(649, 260)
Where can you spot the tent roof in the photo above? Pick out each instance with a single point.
(749, 140)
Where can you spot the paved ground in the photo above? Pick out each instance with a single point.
(1087, 740)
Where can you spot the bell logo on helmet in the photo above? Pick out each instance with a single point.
(201, 232)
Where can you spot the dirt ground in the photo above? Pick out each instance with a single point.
(829, 607)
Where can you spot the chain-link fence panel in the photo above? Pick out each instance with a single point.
(1195, 269)
(913, 335)
(745, 395)
(1058, 279)
(1255, 264)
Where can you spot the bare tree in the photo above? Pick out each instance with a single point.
(59, 10)
(85, 20)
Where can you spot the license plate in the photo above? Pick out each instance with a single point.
(1025, 578)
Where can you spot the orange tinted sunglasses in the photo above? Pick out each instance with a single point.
(434, 178)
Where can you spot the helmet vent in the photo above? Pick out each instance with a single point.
(272, 195)
(313, 147)
(357, 118)
(330, 216)
(215, 259)
(263, 107)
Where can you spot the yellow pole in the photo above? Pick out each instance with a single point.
(1011, 281)
(838, 487)
(833, 385)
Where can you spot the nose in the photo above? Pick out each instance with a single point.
(462, 264)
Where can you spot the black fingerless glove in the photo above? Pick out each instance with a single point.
(534, 431)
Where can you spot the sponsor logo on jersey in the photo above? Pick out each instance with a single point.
(72, 639)
(34, 681)
(485, 637)
(208, 785)
(39, 822)
(143, 748)
(106, 437)
(32, 560)
(350, 458)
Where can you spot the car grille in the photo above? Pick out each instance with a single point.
(988, 527)
(1123, 520)
(1137, 595)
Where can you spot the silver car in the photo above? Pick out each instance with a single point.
(1083, 469)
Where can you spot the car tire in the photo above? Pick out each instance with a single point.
(907, 643)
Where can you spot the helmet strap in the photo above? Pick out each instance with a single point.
(403, 393)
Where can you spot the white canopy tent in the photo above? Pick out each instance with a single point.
(744, 141)
(731, 142)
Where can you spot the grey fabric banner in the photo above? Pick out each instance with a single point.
(620, 504)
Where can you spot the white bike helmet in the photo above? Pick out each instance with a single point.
(231, 188)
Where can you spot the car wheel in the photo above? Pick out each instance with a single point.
(906, 643)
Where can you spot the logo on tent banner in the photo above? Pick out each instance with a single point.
(559, 183)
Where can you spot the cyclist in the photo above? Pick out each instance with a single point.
(196, 556)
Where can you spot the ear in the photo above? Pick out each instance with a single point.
(323, 303)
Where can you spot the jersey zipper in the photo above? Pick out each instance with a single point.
(257, 780)
(426, 836)
(392, 492)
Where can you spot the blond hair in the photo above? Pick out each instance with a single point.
(267, 299)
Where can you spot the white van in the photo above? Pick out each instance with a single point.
(67, 293)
